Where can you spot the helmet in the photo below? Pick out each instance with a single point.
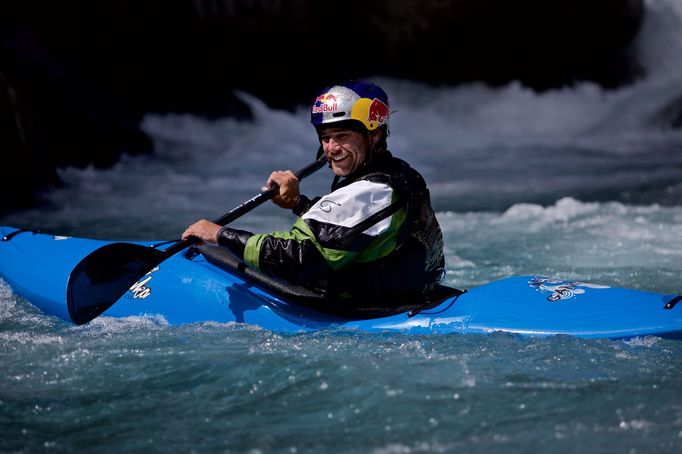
(361, 101)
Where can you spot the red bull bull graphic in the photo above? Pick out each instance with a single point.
(371, 112)
(325, 103)
(377, 112)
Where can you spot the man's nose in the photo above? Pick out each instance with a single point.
(333, 145)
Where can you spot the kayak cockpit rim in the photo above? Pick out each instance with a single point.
(302, 296)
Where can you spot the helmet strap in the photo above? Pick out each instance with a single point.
(335, 182)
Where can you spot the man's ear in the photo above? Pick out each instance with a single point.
(375, 136)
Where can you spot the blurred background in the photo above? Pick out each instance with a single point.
(78, 77)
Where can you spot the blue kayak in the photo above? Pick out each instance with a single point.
(201, 286)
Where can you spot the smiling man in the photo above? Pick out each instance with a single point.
(374, 239)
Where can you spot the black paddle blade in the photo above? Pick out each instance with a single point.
(102, 277)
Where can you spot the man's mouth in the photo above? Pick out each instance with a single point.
(339, 157)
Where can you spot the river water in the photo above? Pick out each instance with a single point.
(578, 183)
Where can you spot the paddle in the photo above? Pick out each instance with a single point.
(103, 276)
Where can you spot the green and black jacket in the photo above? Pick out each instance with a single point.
(374, 237)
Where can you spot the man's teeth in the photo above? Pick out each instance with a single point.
(339, 158)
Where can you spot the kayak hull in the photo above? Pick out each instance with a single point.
(191, 289)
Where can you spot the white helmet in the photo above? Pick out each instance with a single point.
(361, 101)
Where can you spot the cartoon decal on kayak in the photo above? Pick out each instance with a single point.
(560, 289)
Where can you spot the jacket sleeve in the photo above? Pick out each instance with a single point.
(233, 239)
(360, 222)
(303, 204)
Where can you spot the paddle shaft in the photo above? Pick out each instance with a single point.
(247, 206)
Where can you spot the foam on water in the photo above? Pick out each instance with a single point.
(609, 243)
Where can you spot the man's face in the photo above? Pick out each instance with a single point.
(345, 149)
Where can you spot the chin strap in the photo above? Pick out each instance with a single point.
(335, 182)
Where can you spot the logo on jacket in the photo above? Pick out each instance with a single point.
(328, 205)
(559, 289)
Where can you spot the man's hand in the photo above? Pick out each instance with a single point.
(205, 230)
(288, 188)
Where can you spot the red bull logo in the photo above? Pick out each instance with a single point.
(378, 112)
(325, 103)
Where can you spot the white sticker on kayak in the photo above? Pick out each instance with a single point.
(561, 290)
(140, 289)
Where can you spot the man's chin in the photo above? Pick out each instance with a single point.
(340, 171)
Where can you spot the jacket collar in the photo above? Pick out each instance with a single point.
(375, 162)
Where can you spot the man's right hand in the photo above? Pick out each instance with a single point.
(288, 188)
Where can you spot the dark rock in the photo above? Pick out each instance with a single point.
(52, 117)
(26, 169)
(542, 44)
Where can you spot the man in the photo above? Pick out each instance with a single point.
(374, 239)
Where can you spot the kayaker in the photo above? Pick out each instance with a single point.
(374, 237)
